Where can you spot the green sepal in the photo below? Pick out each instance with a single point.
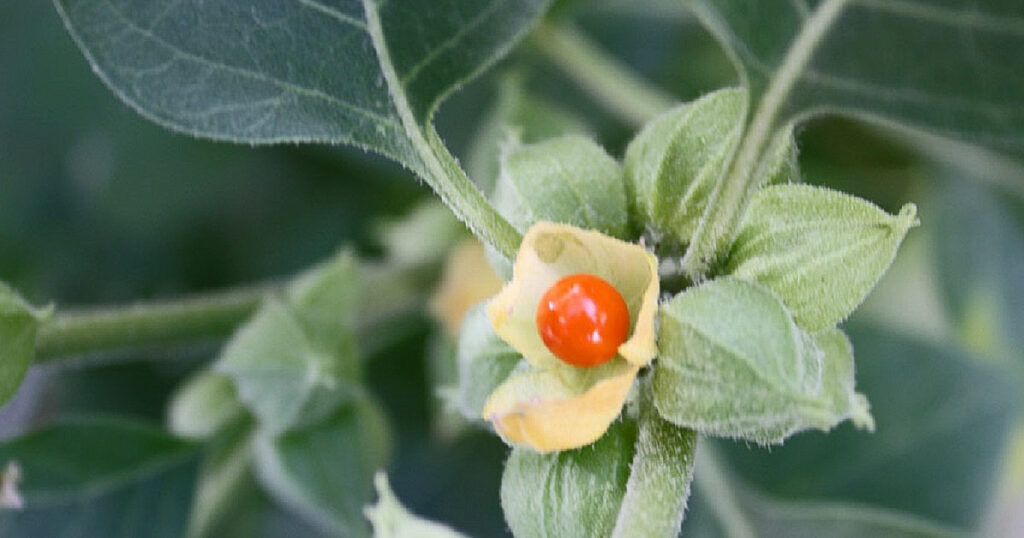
(570, 179)
(294, 362)
(19, 322)
(484, 362)
(733, 363)
(820, 250)
(573, 493)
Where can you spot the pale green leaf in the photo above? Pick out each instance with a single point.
(203, 405)
(516, 116)
(100, 477)
(484, 362)
(392, 520)
(224, 474)
(295, 361)
(422, 236)
(950, 68)
(943, 423)
(324, 472)
(573, 493)
(18, 324)
(733, 363)
(570, 179)
(659, 477)
(820, 250)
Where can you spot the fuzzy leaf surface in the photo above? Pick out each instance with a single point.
(569, 179)
(733, 363)
(820, 250)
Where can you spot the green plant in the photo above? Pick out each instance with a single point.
(738, 260)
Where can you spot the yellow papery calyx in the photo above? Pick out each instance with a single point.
(553, 405)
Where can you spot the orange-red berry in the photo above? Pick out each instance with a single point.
(583, 319)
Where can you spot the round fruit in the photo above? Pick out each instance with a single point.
(583, 319)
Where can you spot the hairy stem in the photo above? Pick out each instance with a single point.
(441, 171)
(731, 196)
(201, 317)
(630, 98)
(392, 291)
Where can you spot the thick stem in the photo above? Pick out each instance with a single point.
(730, 198)
(190, 319)
(630, 98)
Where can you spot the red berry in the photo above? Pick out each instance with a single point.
(583, 319)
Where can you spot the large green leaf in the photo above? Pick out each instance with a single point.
(310, 70)
(948, 67)
(101, 477)
(942, 424)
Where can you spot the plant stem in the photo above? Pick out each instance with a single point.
(713, 483)
(393, 291)
(440, 169)
(730, 198)
(632, 99)
(200, 317)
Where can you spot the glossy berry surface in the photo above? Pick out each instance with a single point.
(583, 319)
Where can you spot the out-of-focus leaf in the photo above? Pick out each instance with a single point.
(101, 477)
(295, 361)
(342, 71)
(18, 324)
(225, 470)
(484, 362)
(979, 258)
(392, 520)
(942, 425)
(203, 405)
(947, 67)
(324, 472)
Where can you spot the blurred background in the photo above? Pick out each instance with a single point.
(98, 206)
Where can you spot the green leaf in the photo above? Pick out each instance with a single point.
(225, 472)
(516, 116)
(978, 250)
(422, 236)
(295, 361)
(324, 472)
(18, 324)
(203, 405)
(303, 71)
(484, 362)
(673, 163)
(101, 477)
(943, 422)
(570, 179)
(820, 250)
(573, 493)
(659, 477)
(902, 62)
(733, 363)
(392, 520)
